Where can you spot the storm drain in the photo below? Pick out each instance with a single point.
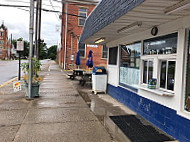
(138, 129)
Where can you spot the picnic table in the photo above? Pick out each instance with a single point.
(86, 77)
(76, 72)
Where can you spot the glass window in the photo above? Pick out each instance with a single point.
(81, 48)
(167, 75)
(104, 51)
(161, 45)
(129, 65)
(147, 71)
(1, 50)
(113, 56)
(187, 88)
(1, 33)
(1, 42)
(83, 14)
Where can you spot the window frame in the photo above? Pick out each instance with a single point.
(157, 64)
(84, 50)
(110, 56)
(159, 75)
(104, 52)
(1, 48)
(148, 60)
(80, 18)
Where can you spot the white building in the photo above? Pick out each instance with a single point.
(147, 40)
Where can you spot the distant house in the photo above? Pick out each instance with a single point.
(73, 19)
(5, 46)
(147, 40)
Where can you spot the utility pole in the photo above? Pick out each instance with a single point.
(31, 31)
(36, 30)
(39, 28)
(11, 46)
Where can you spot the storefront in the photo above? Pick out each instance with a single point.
(149, 65)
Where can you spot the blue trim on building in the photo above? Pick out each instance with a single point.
(162, 117)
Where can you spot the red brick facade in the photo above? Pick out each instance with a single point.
(5, 48)
(72, 36)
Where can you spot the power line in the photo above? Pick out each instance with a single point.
(57, 16)
(18, 1)
(46, 10)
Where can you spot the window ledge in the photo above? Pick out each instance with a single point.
(184, 114)
(156, 91)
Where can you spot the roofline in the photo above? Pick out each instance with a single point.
(95, 2)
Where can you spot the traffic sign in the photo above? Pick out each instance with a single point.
(20, 46)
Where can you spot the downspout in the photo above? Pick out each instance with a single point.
(65, 53)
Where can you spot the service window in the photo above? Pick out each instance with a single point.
(113, 56)
(167, 75)
(129, 65)
(160, 52)
(147, 71)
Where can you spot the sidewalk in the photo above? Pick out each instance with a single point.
(58, 115)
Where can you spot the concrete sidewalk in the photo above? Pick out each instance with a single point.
(58, 115)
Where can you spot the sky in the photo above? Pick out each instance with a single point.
(17, 20)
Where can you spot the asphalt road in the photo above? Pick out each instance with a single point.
(8, 70)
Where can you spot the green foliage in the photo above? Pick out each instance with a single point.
(52, 52)
(35, 66)
(43, 51)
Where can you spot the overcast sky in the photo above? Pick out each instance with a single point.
(17, 20)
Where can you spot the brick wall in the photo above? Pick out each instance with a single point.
(74, 29)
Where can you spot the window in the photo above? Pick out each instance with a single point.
(83, 14)
(161, 45)
(147, 71)
(82, 49)
(1, 42)
(1, 33)
(129, 65)
(187, 79)
(167, 74)
(1, 50)
(160, 52)
(113, 56)
(104, 51)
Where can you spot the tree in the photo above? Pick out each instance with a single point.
(43, 51)
(52, 52)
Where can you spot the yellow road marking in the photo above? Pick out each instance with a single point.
(2, 85)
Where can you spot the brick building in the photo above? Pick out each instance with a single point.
(5, 46)
(72, 25)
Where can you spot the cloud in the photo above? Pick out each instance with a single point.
(17, 22)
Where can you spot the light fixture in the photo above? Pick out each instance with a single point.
(130, 27)
(100, 40)
(177, 7)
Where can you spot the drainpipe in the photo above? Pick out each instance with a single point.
(71, 43)
(66, 5)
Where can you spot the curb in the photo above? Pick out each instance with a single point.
(2, 85)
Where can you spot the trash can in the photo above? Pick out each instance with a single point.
(99, 79)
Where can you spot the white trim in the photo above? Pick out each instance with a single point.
(156, 91)
(184, 114)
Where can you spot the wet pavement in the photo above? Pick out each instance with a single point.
(103, 106)
(59, 115)
(64, 112)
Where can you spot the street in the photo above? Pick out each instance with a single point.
(9, 70)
